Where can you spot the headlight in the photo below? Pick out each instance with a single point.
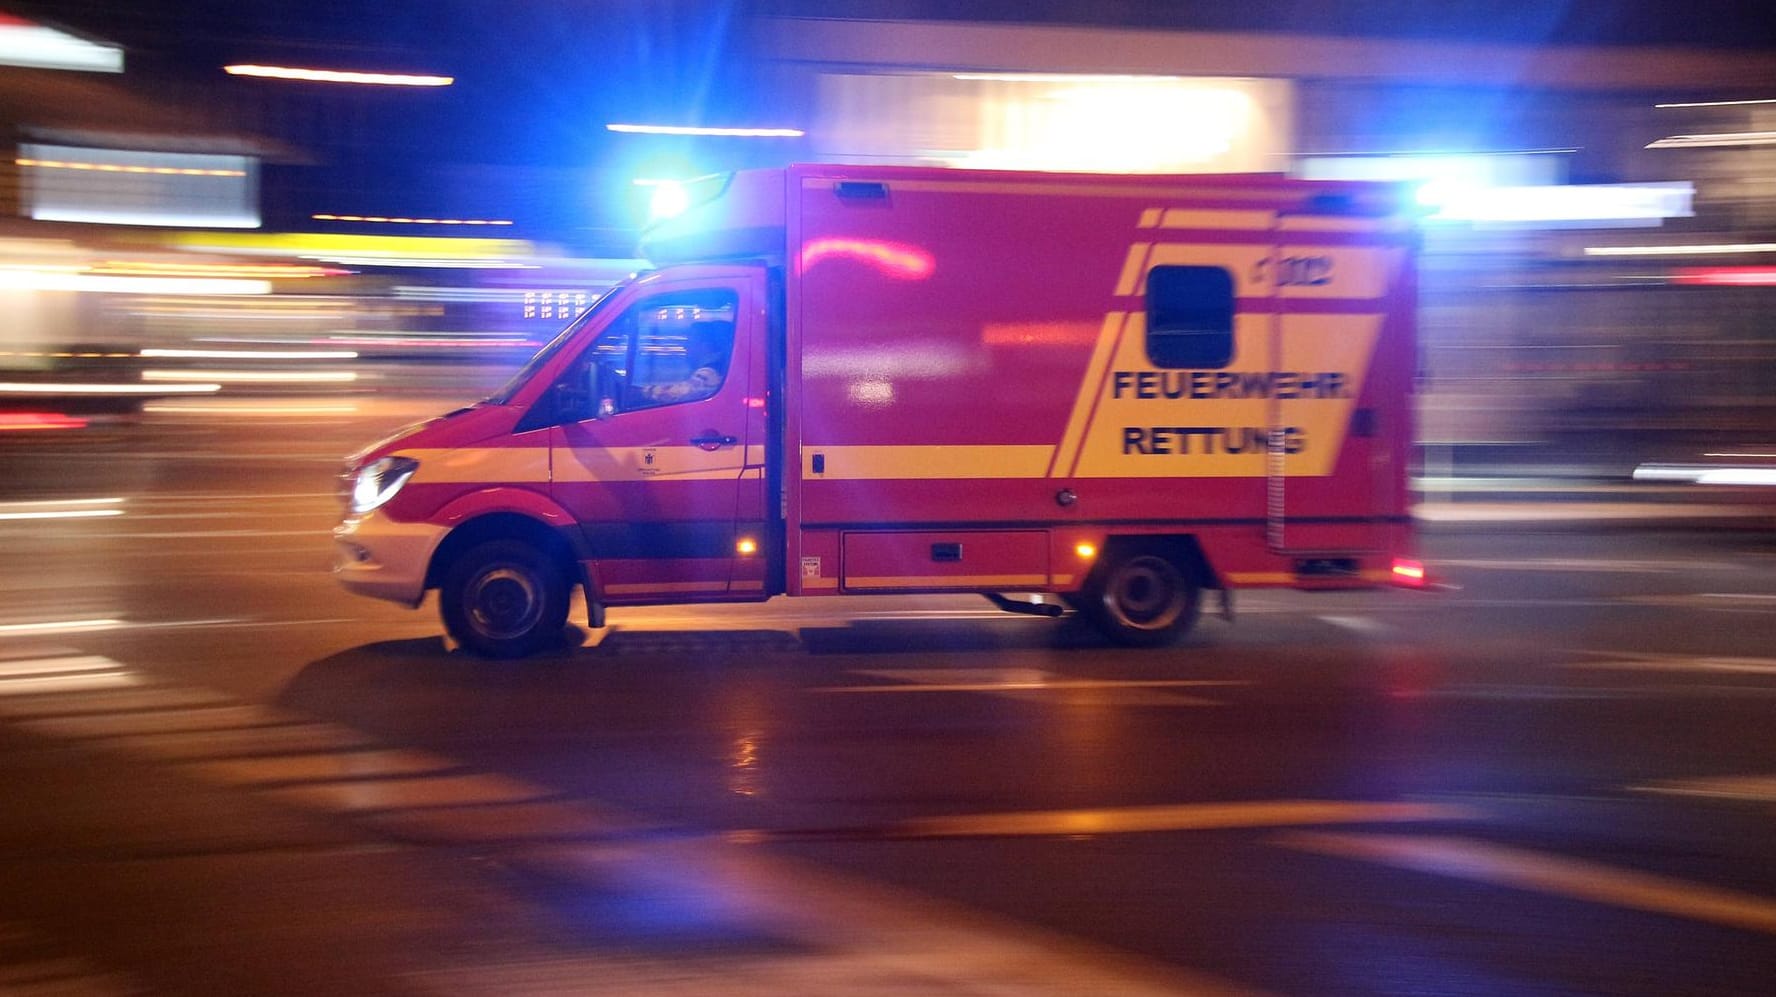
(378, 481)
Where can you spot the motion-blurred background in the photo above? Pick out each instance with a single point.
(208, 203)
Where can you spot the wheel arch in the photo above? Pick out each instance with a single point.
(505, 525)
(1182, 549)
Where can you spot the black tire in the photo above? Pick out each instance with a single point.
(504, 599)
(1142, 598)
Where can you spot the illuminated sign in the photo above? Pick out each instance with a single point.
(129, 187)
(1061, 122)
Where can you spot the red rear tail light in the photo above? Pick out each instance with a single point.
(1408, 573)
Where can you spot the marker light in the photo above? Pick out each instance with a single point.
(1408, 573)
(1085, 551)
(747, 546)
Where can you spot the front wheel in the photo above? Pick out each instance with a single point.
(1142, 599)
(504, 599)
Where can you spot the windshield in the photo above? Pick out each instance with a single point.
(543, 356)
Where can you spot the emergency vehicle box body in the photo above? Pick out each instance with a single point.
(962, 381)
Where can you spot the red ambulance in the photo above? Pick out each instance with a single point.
(1113, 392)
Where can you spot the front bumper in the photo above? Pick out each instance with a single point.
(378, 557)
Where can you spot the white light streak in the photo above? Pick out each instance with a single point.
(76, 388)
(60, 280)
(56, 627)
(248, 354)
(63, 514)
(157, 219)
(1714, 140)
(1739, 476)
(717, 132)
(1718, 249)
(1720, 103)
(255, 376)
(232, 409)
(1065, 78)
(339, 76)
(1560, 203)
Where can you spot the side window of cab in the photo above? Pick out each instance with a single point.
(668, 349)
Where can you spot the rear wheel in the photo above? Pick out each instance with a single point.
(504, 599)
(1141, 598)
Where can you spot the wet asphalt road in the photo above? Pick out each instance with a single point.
(225, 775)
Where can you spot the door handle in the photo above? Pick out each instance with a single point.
(711, 440)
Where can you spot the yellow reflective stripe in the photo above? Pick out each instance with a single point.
(1247, 221)
(1260, 577)
(942, 581)
(488, 465)
(1155, 192)
(583, 464)
(1134, 269)
(1333, 223)
(1090, 387)
(1357, 272)
(635, 588)
(1312, 344)
(866, 463)
(820, 583)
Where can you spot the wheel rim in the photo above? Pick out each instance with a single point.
(504, 602)
(1147, 593)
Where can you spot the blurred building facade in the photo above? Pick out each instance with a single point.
(1600, 220)
(1600, 240)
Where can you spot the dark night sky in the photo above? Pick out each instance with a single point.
(1726, 23)
(537, 79)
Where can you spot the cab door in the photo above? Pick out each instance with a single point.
(653, 472)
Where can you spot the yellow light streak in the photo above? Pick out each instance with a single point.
(387, 220)
(171, 171)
